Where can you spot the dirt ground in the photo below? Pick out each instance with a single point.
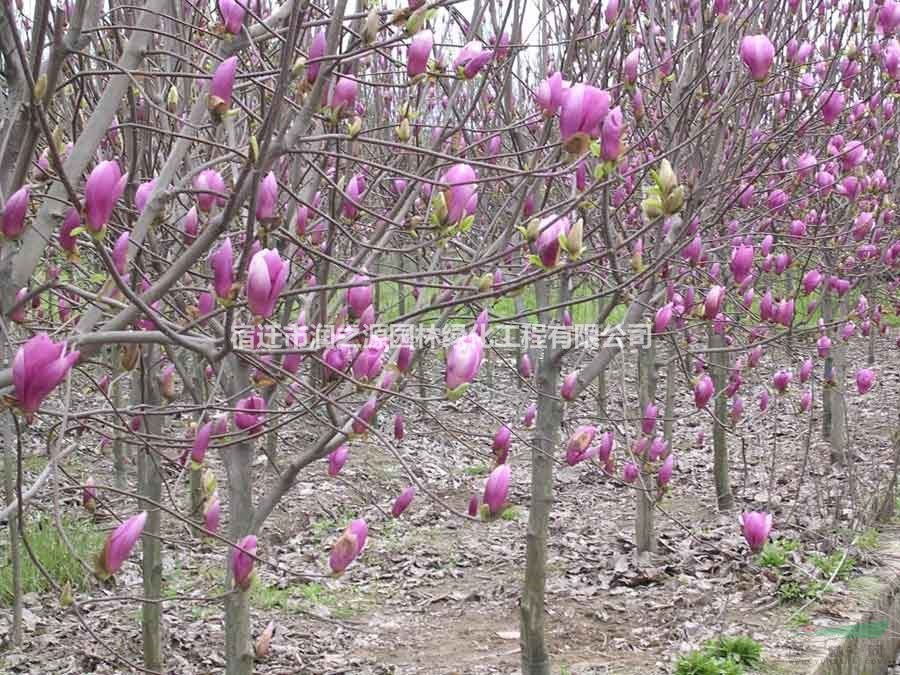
(435, 594)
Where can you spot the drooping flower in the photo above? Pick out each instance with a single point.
(119, 544)
(756, 526)
(242, 559)
(316, 52)
(578, 444)
(781, 380)
(39, 366)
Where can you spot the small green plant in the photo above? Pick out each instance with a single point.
(796, 591)
(799, 620)
(476, 470)
(835, 563)
(54, 557)
(269, 597)
(736, 648)
(699, 663)
(511, 513)
(868, 540)
(775, 553)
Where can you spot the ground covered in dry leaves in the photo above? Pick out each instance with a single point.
(436, 594)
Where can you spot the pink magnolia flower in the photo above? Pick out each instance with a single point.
(611, 135)
(222, 263)
(399, 427)
(865, 378)
(316, 52)
(548, 241)
(461, 195)
(403, 501)
(501, 443)
(756, 526)
(582, 112)
(39, 366)
(242, 560)
(471, 59)
(212, 514)
(648, 423)
(209, 186)
(201, 444)
(463, 363)
(348, 546)
(703, 391)
(665, 471)
(630, 472)
(265, 280)
(337, 458)
(250, 412)
(345, 92)
(529, 417)
(359, 296)
(232, 12)
(496, 488)
(267, 197)
(119, 544)
(662, 318)
(757, 53)
(549, 94)
(567, 391)
(741, 262)
(781, 380)
(418, 53)
(101, 192)
(142, 194)
(14, 212)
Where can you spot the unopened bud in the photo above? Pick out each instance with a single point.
(666, 178)
(403, 130)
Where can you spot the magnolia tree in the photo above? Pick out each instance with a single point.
(226, 221)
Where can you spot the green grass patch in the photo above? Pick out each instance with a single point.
(775, 553)
(700, 663)
(835, 563)
(739, 649)
(54, 557)
(790, 591)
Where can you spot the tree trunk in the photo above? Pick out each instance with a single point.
(239, 466)
(150, 487)
(15, 555)
(838, 401)
(535, 659)
(721, 464)
(644, 529)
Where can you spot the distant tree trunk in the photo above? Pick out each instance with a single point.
(838, 397)
(239, 466)
(644, 529)
(669, 421)
(150, 486)
(602, 412)
(15, 555)
(535, 658)
(120, 477)
(721, 464)
(828, 373)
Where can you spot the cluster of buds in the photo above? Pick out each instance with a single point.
(665, 197)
